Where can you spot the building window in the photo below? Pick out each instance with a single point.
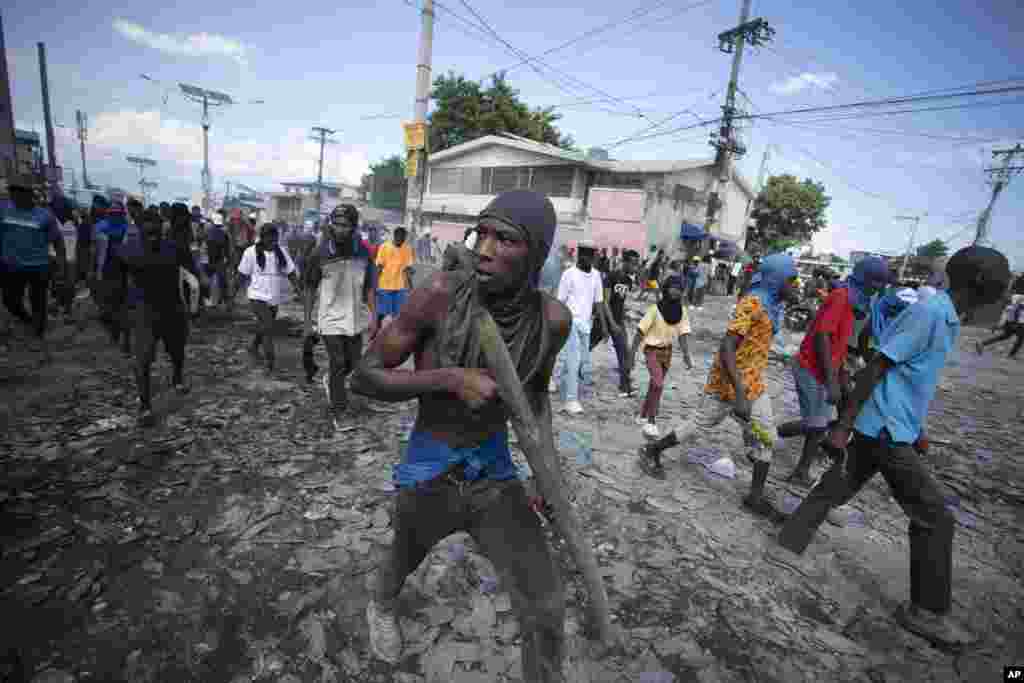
(554, 181)
(624, 181)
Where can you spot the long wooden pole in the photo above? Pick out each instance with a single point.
(543, 461)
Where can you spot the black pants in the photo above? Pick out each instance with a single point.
(698, 296)
(344, 353)
(931, 525)
(265, 317)
(1010, 330)
(151, 327)
(732, 285)
(621, 343)
(497, 516)
(37, 283)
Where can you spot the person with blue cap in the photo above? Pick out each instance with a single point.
(736, 385)
(881, 430)
(818, 369)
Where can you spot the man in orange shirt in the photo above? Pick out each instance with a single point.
(394, 279)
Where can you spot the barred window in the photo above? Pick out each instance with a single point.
(554, 181)
(445, 180)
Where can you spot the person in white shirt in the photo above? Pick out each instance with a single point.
(734, 275)
(267, 265)
(581, 290)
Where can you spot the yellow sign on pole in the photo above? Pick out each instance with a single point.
(412, 165)
(415, 136)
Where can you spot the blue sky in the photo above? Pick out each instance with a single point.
(336, 65)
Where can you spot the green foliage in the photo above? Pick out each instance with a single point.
(788, 212)
(465, 110)
(390, 167)
(933, 250)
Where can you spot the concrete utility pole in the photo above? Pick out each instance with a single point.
(321, 137)
(910, 245)
(423, 70)
(207, 98)
(83, 135)
(8, 149)
(143, 163)
(51, 175)
(755, 32)
(146, 186)
(1000, 178)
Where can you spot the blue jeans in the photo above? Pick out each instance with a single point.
(574, 362)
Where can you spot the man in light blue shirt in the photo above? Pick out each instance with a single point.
(885, 415)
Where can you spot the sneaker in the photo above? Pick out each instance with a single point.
(938, 629)
(640, 420)
(574, 408)
(385, 635)
(650, 430)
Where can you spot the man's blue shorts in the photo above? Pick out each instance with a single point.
(815, 410)
(389, 301)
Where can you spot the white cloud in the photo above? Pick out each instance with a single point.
(191, 45)
(795, 84)
(177, 147)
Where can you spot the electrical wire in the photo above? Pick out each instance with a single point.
(661, 123)
(862, 105)
(629, 18)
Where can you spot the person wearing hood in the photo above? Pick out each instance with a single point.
(1013, 326)
(110, 285)
(339, 272)
(582, 290)
(881, 430)
(457, 473)
(736, 385)
(664, 322)
(819, 368)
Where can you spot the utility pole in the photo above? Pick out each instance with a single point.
(1000, 178)
(51, 175)
(910, 245)
(8, 149)
(83, 135)
(143, 163)
(147, 185)
(759, 186)
(754, 32)
(321, 137)
(207, 98)
(417, 153)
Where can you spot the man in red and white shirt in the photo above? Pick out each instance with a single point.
(818, 370)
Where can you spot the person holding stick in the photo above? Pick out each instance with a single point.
(457, 473)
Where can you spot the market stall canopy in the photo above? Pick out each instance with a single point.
(689, 231)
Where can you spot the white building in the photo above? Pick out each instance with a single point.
(297, 202)
(616, 203)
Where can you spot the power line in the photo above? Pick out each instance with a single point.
(659, 124)
(861, 105)
(566, 81)
(534, 62)
(629, 18)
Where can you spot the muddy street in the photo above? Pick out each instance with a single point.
(237, 540)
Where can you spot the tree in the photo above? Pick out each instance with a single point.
(465, 110)
(788, 212)
(386, 183)
(933, 250)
